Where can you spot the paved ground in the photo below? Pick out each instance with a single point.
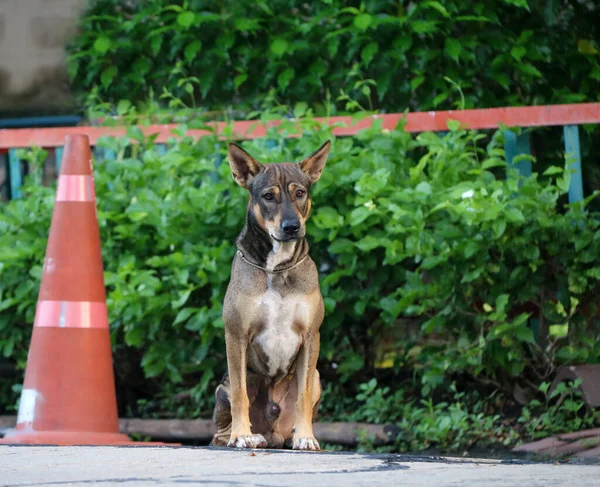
(146, 466)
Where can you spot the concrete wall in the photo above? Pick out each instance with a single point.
(33, 34)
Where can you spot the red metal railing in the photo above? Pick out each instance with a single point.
(568, 116)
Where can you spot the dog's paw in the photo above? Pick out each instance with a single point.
(248, 441)
(306, 443)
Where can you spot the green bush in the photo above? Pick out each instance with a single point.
(392, 55)
(435, 259)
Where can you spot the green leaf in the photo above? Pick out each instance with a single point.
(155, 44)
(530, 69)
(181, 300)
(333, 45)
(416, 82)
(142, 65)
(424, 26)
(487, 308)
(368, 243)
(133, 337)
(300, 109)
(553, 170)
(440, 98)
(518, 3)
(471, 249)
(184, 314)
(328, 218)
(403, 43)
(518, 52)
(329, 304)
(494, 162)
(341, 245)
(453, 125)
(152, 369)
(423, 187)
(369, 52)
(514, 215)
(499, 227)
(525, 334)
(123, 107)
(559, 331)
(472, 275)
(102, 45)
(453, 47)
(362, 21)
(500, 330)
(192, 49)
(432, 261)
(239, 79)
(502, 79)
(360, 214)
(501, 302)
(186, 19)
(437, 6)
(285, 77)
(108, 74)
(586, 47)
(472, 18)
(279, 47)
(594, 273)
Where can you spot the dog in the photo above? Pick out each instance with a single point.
(272, 312)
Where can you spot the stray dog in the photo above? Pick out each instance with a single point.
(272, 312)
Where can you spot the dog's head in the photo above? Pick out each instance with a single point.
(279, 193)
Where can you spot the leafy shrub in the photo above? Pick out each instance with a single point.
(435, 259)
(563, 410)
(456, 424)
(391, 55)
(462, 420)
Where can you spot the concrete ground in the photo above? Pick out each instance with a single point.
(172, 466)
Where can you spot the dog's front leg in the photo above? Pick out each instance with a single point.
(241, 434)
(303, 437)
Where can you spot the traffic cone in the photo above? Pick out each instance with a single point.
(68, 396)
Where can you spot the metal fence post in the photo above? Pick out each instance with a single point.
(516, 145)
(58, 155)
(573, 153)
(16, 178)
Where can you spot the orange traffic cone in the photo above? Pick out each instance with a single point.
(68, 396)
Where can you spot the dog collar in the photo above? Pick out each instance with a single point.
(241, 255)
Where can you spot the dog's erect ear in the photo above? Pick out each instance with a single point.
(243, 166)
(313, 165)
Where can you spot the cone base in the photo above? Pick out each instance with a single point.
(73, 438)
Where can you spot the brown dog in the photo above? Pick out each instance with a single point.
(272, 311)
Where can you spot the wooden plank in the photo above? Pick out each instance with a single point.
(539, 446)
(487, 118)
(573, 158)
(204, 429)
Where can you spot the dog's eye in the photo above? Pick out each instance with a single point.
(300, 193)
(268, 196)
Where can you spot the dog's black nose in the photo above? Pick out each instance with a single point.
(290, 227)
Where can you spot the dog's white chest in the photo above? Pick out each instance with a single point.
(280, 339)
